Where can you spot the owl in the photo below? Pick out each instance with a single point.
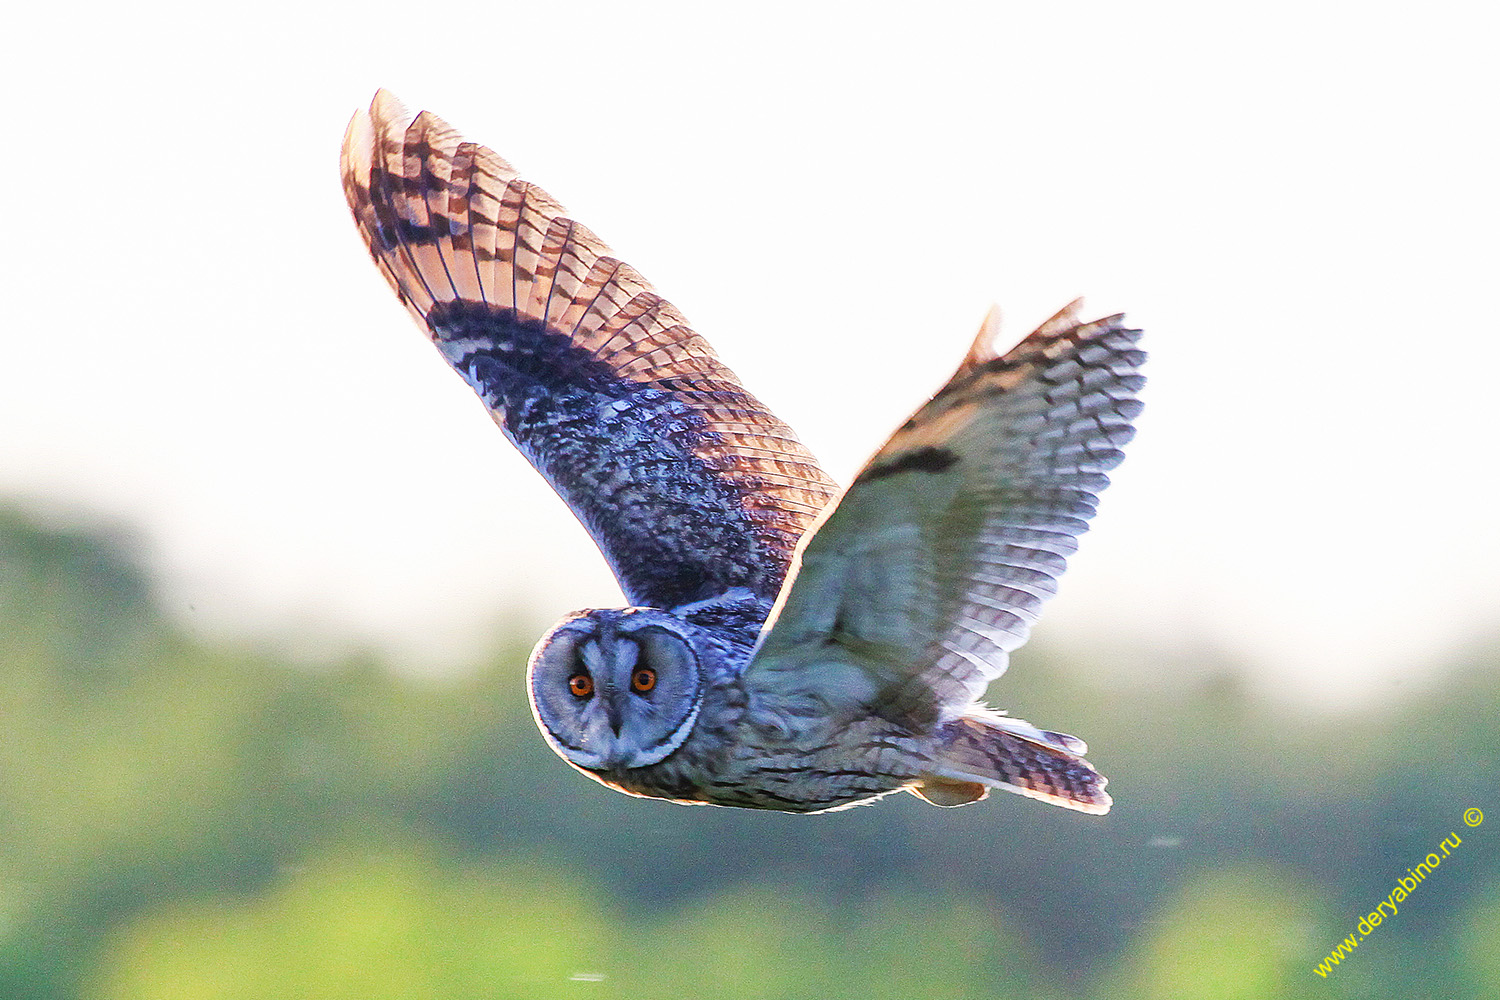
(787, 646)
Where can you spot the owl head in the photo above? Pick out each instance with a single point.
(616, 689)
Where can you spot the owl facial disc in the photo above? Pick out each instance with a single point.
(615, 689)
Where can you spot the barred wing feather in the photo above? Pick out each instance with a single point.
(688, 484)
(935, 563)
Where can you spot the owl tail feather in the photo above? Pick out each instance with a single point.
(975, 754)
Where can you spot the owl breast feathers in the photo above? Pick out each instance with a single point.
(786, 647)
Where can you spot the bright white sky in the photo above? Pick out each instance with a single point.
(1296, 201)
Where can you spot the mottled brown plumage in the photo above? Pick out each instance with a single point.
(688, 483)
(786, 651)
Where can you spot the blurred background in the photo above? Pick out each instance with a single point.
(268, 575)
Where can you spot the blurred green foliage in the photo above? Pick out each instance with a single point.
(186, 821)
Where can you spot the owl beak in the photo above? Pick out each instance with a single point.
(612, 713)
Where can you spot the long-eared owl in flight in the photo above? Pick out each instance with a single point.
(787, 646)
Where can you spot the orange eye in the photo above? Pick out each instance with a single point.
(643, 680)
(582, 685)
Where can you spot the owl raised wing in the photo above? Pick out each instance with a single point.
(908, 595)
(686, 482)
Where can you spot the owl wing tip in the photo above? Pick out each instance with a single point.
(983, 348)
(1063, 320)
(1066, 320)
(387, 107)
(359, 139)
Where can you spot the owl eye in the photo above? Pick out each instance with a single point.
(643, 680)
(582, 685)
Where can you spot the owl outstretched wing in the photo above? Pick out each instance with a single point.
(687, 483)
(933, 566)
